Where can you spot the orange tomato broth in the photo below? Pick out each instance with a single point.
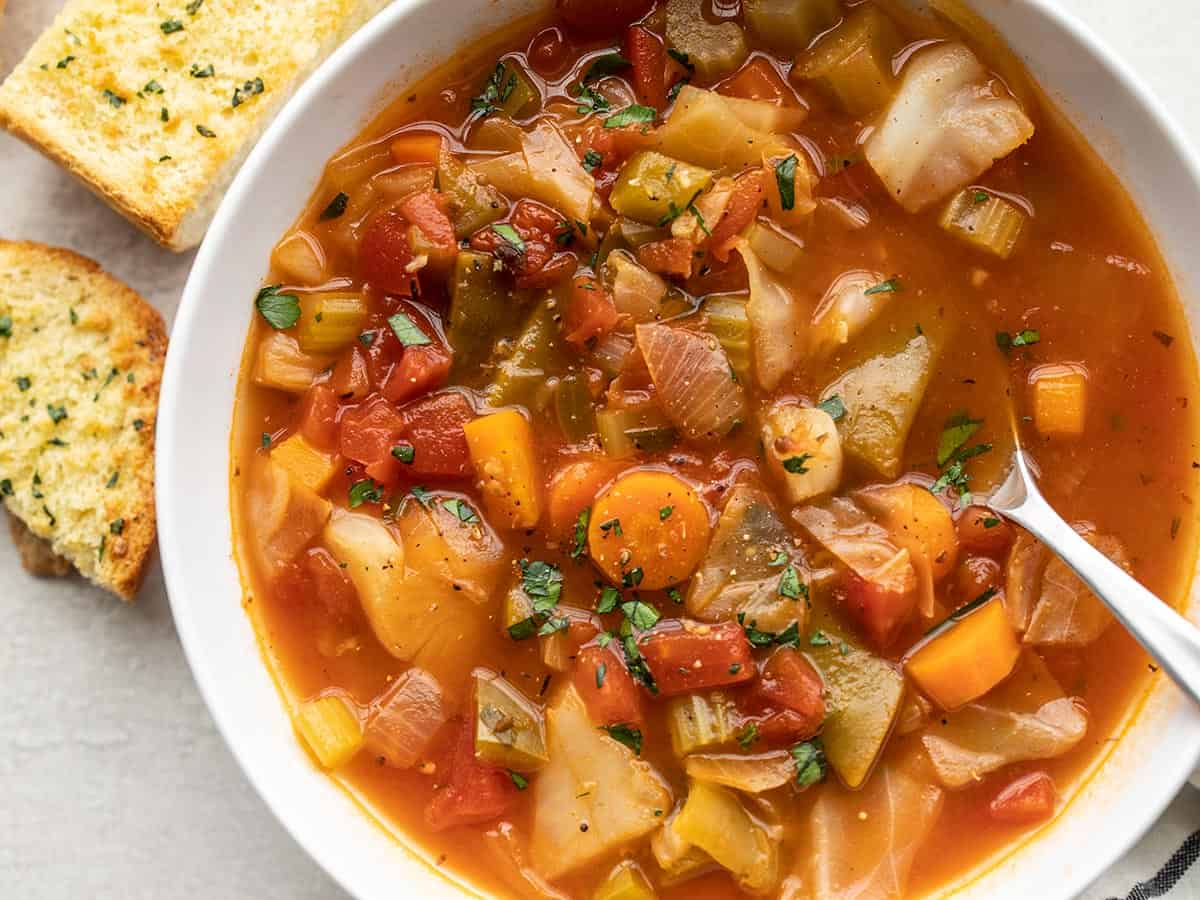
(1087, 276)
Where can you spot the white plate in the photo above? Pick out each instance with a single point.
(1126, 125)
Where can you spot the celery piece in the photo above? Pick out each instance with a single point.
(509, 728)
(481, 309)
(713, 819)
(536, 355)
(520, 96)
(329, 321)
(330, 728)
(625, 882)
(727, 321)
(777, 249)
(789, 25)
(985, 221)
(700, 721)
(629, 430)
(714, 49)
(574, 407)
(655, 189)
(854, 61)
(472, 204)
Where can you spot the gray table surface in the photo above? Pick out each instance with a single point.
(113, 780)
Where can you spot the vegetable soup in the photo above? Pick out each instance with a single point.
(613, 440)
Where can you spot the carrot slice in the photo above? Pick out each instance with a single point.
(416, 147)
(966, 658)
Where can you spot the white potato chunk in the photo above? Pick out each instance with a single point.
(804, 451)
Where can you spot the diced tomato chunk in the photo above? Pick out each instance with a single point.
(368, 434)
(880, 612)
(673, 256)
(592, 313)
(434, 427)
(538, 261)
(351, 375)
(689, 656)
(648, 54)
(421, 369)
(757, 80)
(1028, 799)
(330, 583)
(982, 531)
(384, 255)
(474, 792)
(604, 150)
(595, 19)
(977, 574)
(748, 193)
(608, 690)
(428, 211)
(318, 417)
(788, 682)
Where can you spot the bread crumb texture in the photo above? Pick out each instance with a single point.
(154, 105)
(81, 359)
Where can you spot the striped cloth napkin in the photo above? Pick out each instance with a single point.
(1163, 864)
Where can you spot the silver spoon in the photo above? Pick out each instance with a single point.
(1172, 640)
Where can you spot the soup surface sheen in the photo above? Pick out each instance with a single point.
(610, 435)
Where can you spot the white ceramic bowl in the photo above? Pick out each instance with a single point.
(1125, 124)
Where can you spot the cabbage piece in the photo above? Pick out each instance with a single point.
(447, 556)
(882, 396)
(862, 544)
(678, 859)
(1026, 717)
(864, 843)
(590, 779)
(707, 130)
(950, 120)
(778, 321)
(736, 575)
(637, 292)
(1047, 601)
(546, 169)
(751, 774)
(693, 380)
(864, 693)
(713, 819)
(403, 719)
(846, 309)
(283, 515)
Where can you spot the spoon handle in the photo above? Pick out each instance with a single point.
(1168, 637)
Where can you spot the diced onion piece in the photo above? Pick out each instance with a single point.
(767, 116)
(728, 322)
(882, 396)
(985, 221)
(715, 49)
(301, 258)
(612, 352)
(374, 562)
(281, 364)
(330, 321)
(678, 859)
(283, 514)
(861, 544)
(704, 129)
(847, 309)
(713, 819)
(330, 729)
(509, 729)
(693, 380)
(623, 800)
(396, 184)
(966, 658)
(404, 719)
(949, 122)
(1059, 395)
(854, 61)
(803, 450)
(653, 188)
(304, 462)
(778, 250)
(554, 168)
(625, 882)
(788, 25)
(637, 292)
(777, 322)
(700, 721)
(751, 774)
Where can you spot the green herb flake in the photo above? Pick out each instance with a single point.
(56, 413)
(834, 407)
(6, 488)
(406, 453)
(553, 625)
(421, 495)
(790, 585)
(518, 779)
(23, 383)
(194, 7)
(336, 208)
(609, 598)
(462, 510)
(523, 630)
(579, 546)
(633, 577)
(957, 432)
(116, 526)
(641, 615)
(6, 326)
(779, 558)
(631, 115)
(170, 26)
(64, 62)
(592, 161)
(280, 310)
(498, 88)
(205, 131)
(747, 736)
(407, 331)
(819, 639)
(606, 64)
(810, 762)
(202, 72)
(785, 179)
(266, 440)
(795, 464)
(891, 286)
(665, 513)
(991, 522)
(542, 583)
(110, 484)
(248, 89)
(365, 491)
(627, 735)
(116, 101)
(674, 596)
(613, 525)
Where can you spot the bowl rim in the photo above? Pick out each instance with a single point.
(170, 491)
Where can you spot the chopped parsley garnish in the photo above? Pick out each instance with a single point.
(665, 513)
(205, 72)
(164, 116)
(991, 522)
(1026, 338)
(953, 453)
(518, 779)
(249, 89)
(641, 615)
(406, 453)
(498, 88)
(510, 236)
(23, 383)
(116, 526)
(609, 598)
(367, 338)
(981, 196)
(553, 625)
(627, 735)
(819, 639)
(785, 178)
(613, 525)
(579, 547)
(633, 577)
(110, 484)
(542, 583)
(57, 413)
(114, 100)
(194, 7)
(674, 595)
(795, 464)
(682, 58)
(810, 762)
(747, 736)
(6, 487)
(421, 495)
(592, 161)
(601, 671)
(152, 87)
(266, 440)
(336, 208)
(607, 64)
(205, 131)
(171, 26)
(779, 558)
(462, 510)
(365, 491)
(955, 435)
(590, 100)
(790, 585)
(834, 406)
(407, 331)
(789, 637)
(631, 115)
(280, 310)
(891, 286)
(6, 326)
(523, 630)
(64, 62)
